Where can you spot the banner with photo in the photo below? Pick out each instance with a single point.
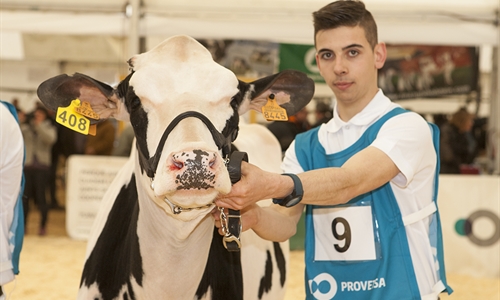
(301, 58)
(419, 71)
(247, 59)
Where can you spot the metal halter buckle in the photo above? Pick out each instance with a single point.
(231, 242)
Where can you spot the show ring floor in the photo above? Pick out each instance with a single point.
(51, 265)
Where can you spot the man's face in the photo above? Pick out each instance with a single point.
(349, 64)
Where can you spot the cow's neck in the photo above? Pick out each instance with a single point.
(176, 250)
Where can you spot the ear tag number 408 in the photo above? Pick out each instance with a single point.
(69, 117)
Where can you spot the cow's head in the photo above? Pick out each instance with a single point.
(184, 156)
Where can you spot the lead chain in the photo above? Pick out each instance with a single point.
(223, 222)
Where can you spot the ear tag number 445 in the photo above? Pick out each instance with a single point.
(272, 111)
(73, 118)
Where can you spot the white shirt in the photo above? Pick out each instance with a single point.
(11, 167)
(407, 140)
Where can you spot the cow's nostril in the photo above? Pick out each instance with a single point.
(212, 162)
(176, 165)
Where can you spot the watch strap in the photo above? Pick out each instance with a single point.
(295, 197)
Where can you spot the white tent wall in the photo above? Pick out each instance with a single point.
(60, 34)
(458, 22)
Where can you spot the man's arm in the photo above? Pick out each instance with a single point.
(363, 172)
(273, 223)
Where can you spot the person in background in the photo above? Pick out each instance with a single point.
(458, 147)
(124, 142)
(285, 131)
(39, 135)
(103, 142)
(367, 179)
(64, 146)
(15, 102)
(324, 113)
(11, 190)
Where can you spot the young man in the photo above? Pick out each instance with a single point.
(368, 176)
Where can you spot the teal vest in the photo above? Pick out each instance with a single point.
(359, 250)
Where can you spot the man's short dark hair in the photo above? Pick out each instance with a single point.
(349, 13)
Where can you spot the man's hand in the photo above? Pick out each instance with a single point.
(249, 217)
(255, 185)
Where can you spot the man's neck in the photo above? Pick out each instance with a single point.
(347, 111)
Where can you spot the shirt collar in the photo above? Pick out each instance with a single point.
(375, 108)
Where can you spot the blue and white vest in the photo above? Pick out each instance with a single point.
(359, 250)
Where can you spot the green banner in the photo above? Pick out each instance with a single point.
(301, 58)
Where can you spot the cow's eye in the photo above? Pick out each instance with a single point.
(135, 102)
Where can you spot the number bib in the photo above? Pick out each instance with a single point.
(344, 233)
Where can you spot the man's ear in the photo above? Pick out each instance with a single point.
(380, 53)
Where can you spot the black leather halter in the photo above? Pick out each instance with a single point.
(222, 142)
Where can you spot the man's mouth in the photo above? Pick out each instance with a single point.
(342, 85)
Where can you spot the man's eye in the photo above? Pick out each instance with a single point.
(353, 52)
(327, 55)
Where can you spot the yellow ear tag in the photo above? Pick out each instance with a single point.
(86, 110)
(272, 111)
(69, 117)
(93, 129)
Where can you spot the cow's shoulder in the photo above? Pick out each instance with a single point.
(115, 243)
(121, 179)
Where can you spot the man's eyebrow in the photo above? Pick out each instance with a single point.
(344, 48)
(352, 46)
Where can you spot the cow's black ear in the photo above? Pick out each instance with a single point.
(60, 90)
(293, 90)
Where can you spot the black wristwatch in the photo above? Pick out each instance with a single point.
(296, 195)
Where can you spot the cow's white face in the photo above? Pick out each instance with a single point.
(180, 75)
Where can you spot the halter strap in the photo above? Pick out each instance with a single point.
(222, 142)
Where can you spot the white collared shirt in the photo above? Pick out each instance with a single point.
(407, 140)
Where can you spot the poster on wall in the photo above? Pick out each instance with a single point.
(247, 59)
(470, 221)
(301, 58)
(88, 178)
(419, 71)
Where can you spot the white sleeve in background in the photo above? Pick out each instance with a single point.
(11, 167)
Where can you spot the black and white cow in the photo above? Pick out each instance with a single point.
(154, 236)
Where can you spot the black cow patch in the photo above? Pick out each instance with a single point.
(266, 280)
(281, 262)
(222, 273)
(116, 255)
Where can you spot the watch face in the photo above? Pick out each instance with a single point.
(295, 197)
(293, 201)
